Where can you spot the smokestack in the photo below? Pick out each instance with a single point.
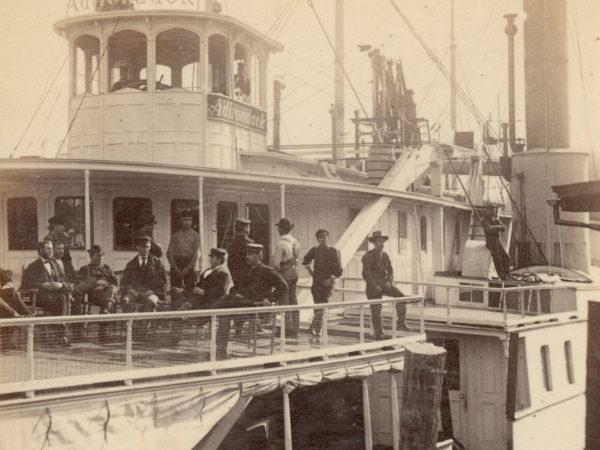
(546, 79)
(510, 31)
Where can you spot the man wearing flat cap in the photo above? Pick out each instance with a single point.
(100, 285)
(183, 254)
(324, 265)
(145, 228)
(284, 260)
(260, 286)
(379, 275)
(144, 280)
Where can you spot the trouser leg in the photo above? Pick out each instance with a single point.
(376, 320)
(393, 291)
(293, 317)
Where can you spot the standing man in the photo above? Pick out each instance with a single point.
(237, 257)
(53, 289)
(260, 286)
(145, 228)
(379, 275)
(57, 226)
(144, 280)
(325, 266)
(492, 227)
(100, 285)
(183, 254)
(284, 260)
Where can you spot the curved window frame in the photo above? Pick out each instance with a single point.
(218, 74)
(188, 42)
(86, 79)
(129, 75)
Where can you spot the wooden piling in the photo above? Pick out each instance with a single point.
(421, 396)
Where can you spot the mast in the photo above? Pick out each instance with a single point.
(452, 71)
(339, 80)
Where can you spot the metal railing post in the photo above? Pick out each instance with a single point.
(30, 356)
(448, 321)
(394, 319)
(324, 341)
(129, 349)
(522, 302)
(213, 337)
(422, 321)
(503, 302)
(282, 329)
(361, 337)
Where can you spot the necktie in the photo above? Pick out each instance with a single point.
(143, 263)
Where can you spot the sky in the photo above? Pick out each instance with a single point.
(33, 55)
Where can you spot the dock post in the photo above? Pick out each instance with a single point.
(287, 421)
(421, 396)
(367, 415)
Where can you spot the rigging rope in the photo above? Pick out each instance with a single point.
(310, 3)
(48, 89)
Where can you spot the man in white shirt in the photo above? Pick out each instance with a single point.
(284, 260)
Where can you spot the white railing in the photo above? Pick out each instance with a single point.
(523, 300)
(141, 346)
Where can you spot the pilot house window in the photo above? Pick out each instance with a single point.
(85, 65)
(127, 212)
(127, 60)
(218, 50)
(22, 223)
(177, 60)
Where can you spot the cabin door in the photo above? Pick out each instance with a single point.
(485, 377)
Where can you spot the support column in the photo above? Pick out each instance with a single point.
(287, 421)
(201, 220)
(395, 413)
(88, 225)
(282, 199)
(367, 415)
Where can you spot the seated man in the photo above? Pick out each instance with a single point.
(100, 285)
(261, 286)
(144, 280)
(11, 303)
(212, 286)
(64, 263)
(53, 289)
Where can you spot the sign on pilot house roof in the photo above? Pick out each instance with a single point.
(90, 6)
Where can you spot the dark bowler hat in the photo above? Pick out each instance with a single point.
(377, 235)
(145, 218)
(142, 239)
(320, 232)
(254, 248)
(218, 252)
(284, 223)
(243, 221)
(96, 249)
(57, 220)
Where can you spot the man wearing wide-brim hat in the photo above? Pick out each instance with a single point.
(100, 285)
(379, 276)
(237, 250)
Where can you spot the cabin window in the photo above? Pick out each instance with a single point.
(226, 214)
(177, 60)
(402, 232)
(188, 205)
(241, 80)
(260, 230)
(423, 233)
(546, 369)
(127, 61)
(569, 362)
(85, 65)
(364, 245)
(73, 209)
(127, 212)
(457, 236)
(218, 51)
(22, 223)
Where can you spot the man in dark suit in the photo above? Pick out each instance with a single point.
(492, 227)
(213, 284)
(53, 288)
(64, 264)
(261, 286)
(237, 256)
(57, 232)
(144, 280)
(379, 276)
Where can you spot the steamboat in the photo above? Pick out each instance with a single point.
(168, 112)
